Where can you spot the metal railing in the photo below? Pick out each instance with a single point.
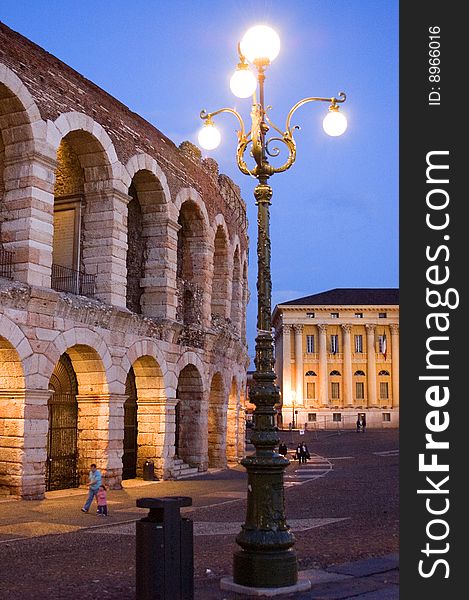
(68, 280)
(6, 264)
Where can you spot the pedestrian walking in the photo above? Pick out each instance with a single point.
(304, 452)
(95, 482)
(102, 501)
(363, 423)
(359, 423)
(282, 449)
(298, 453)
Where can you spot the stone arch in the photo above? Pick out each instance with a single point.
(89, 209)
(190, 418)
(220, 281)
(236, 295)
(90, 357)
(149, 243)
(192, 270)
(232, 422)
(217, 423)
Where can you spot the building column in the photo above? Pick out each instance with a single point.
(371, 365)
(286, 364)
(323, 376)
(23, 449)
(347, 365)
(395, 364)
(299, 363)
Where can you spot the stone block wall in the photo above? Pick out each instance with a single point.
(55, 145)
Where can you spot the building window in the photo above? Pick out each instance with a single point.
(359, 390)
(382, 344)
(387, 417)
(312, 417)
(383, 390)
(382, 315)
(359, 373)
(311, 390)
(334, 373)
(384, 373)
(335, 390)
(334, 344)
(334, 315)
(359, 315)
(336, 417)
(359, 344)
(310, 344)
(310, 374)
(310, 315)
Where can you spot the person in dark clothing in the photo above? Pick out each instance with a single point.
(363, 423)
(298, 453)
(359, 423)
(282, 449)
(304, 452)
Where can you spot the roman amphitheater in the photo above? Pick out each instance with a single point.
(123, 288)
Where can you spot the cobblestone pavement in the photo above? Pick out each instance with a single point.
(341, 514)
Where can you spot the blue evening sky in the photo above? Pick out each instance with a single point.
(334, 217)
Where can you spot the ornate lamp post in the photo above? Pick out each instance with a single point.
(266, 558)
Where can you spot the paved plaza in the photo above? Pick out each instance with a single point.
(342, 506)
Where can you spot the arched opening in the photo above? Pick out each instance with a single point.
(236, 295)
(12, 387)
(216, 424)
(129, 457)
(95, 439)
(62, 451)
(79, 241)
(190, 270)
(232, 424)
(146, 260)
(188, 443)
(220, 275)
(148, 424)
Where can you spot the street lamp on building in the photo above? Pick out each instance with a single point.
(266, 558)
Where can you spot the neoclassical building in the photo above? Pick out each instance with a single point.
(123, 288)
(337, 356)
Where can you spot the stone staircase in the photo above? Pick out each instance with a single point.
(181, 470)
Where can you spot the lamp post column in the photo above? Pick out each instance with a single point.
(266, 558)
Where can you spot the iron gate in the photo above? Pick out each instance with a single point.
(129, 458)
(61, 466)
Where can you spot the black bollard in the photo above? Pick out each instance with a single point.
(164, 550)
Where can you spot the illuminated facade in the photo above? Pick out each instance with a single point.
(337, 356)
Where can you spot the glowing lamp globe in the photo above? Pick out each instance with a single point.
(260, 43)
(243, 83)
(335, 123)
(209, 137)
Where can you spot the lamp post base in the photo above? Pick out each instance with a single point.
(227, 583)
(276, 569)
